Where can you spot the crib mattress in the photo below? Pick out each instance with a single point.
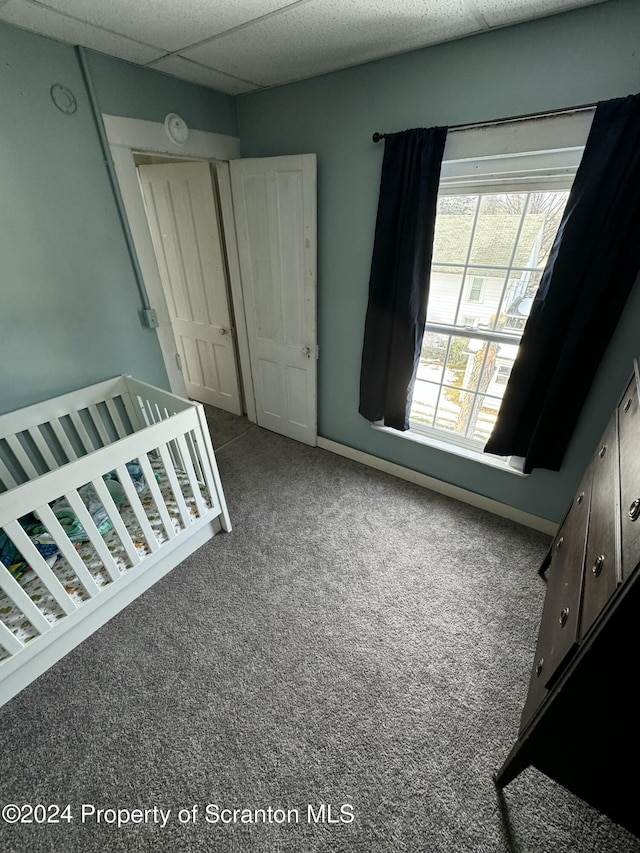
(15, 619)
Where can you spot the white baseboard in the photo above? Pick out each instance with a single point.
(460, 494)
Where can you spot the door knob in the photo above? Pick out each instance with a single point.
(306, 351)
(224, 331)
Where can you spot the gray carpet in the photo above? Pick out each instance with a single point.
(355, 640)
(224, 426)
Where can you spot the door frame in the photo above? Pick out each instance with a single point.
(127, 137)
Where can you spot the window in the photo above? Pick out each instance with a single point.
(497, 217)
(475, 291)
(502, 374)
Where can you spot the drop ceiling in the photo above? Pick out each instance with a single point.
(238, 46)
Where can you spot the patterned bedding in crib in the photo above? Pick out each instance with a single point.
(15, 619)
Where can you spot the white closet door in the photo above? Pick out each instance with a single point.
(187, 239)
(274, 202)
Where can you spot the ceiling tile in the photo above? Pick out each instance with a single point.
(48, 23)
(196, 73)
(168, 24)
(325, 35)
(499, 13)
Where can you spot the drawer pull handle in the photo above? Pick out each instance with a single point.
(627, 405)
(564, 615)
(602, 451)
(598, 564)
(634, 509)
(539, 666)
(559, 542)
(580, 497)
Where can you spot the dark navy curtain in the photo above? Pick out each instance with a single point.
(592, 267)
(400, 268)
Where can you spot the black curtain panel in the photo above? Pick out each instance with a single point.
(400, 269)
(592, 267)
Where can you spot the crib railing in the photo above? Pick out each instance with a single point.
(45, 436)
(89, 434)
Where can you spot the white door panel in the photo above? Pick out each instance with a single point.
(274, 204)
(186, 235)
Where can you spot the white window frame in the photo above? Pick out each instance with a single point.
(525, 155)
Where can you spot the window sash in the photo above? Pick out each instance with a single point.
(500, 337)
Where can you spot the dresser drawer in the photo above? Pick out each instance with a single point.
(629, 431)
(602, 560)
(559, 626)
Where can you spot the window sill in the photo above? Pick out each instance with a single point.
(456, 450)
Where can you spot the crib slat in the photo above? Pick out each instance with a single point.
(143, 410)
(61, 435)
(20, 598)
(195, 458)
(21, 455)
(48, 518)
(95, 537)
(136, 506)
(23, 543)
(209, 476)
(150, 412)
(116, 519)
(45, 451)
(210, 464)
(191, 474)
(199, 458)
(7, 478)
(115, 417)
(156, 494)
(175, 485)
(96, 417)
(174, 452)
(81, 429)
(163, 414)
(9, 640)
(133, 411)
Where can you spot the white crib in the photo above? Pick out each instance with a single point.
(120, 482)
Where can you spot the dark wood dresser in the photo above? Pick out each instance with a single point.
(579, 723)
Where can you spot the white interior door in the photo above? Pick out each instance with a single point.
(187, 239)
(274, 202)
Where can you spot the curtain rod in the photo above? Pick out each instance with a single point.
(378, 136)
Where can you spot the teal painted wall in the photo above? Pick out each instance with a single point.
(124, 89)
(575, 58)
(69, 301)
